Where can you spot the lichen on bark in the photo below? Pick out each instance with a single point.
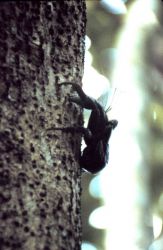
(41, 45)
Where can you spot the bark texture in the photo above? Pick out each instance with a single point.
(41, 45)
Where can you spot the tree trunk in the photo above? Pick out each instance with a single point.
(42, 45)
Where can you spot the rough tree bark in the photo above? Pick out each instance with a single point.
(41, 45)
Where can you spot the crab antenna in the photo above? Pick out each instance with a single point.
(110, 106)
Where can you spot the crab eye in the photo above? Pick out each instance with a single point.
(113, 123)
